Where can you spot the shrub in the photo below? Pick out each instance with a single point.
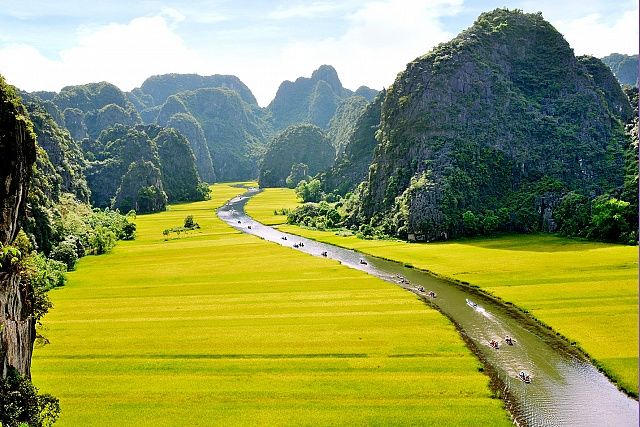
(129, 231)
(190, 224)
(20, 402)
(66, 252)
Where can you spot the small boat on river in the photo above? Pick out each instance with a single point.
(524, 377)
(471, 304)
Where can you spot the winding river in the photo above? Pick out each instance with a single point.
(565, 389)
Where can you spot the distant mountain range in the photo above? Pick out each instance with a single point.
(498, 124)
(624, 67)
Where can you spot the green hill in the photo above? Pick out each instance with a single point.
(298, 152)
(490, 130)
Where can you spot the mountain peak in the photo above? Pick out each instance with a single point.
(328, 74)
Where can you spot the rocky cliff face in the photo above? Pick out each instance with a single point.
(503, 108)
(624, 67)
(17, 155)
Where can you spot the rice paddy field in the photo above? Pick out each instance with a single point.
(586, 291)
(215, 327)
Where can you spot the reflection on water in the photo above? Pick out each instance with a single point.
(565, 390)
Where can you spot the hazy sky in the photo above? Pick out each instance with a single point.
(45, 44)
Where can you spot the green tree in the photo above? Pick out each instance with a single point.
(470, 223)
(609, 219)
(66, 252)
(309, 192)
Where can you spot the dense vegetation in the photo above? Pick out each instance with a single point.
(310, 100)
(298, 152)
(352, 164)
(472, 140)
(141, 168)
(624, 67)
(63, 151)
(234, 130)
(343, 122)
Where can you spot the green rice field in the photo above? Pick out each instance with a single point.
(215, 327)
(586, 291)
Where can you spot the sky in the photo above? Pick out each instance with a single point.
(46, 45)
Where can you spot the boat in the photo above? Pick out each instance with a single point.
(524, 377)
(471, 303)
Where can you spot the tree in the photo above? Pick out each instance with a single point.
(470, 222)
(66, 253)
(309, 192)
(609, 219)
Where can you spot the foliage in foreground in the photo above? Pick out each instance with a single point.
(20, 402)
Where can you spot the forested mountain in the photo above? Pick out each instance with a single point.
(91, 108)
(624, 67)
(295, 154)
(352, 164)
(218, 115)
(234, 130)
(496, 126)
(343, 122)
(142, 168)
(63, 152)
(310, 100)
(156, 89)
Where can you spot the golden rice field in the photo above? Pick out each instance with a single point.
(586, 291)
(215, 327)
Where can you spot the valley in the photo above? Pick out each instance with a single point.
(218, 327)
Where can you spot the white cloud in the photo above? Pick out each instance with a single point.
(122, 54)
(303, 11)
(382, 37)
(174, 15)
(593, 35)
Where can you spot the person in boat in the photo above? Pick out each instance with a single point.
(432, 294)
(421, 289)
(295, 245)
(249, 227)
(508, 340)
(363, 261)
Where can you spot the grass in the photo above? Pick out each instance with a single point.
(215, 327)
(586, 291)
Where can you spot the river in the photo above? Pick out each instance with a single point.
(565, 388)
